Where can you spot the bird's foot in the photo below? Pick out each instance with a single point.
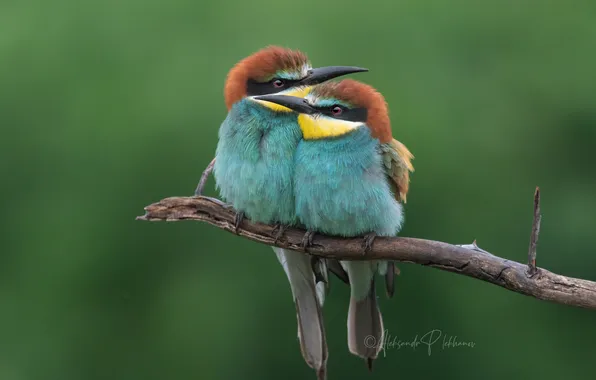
(238, 221)
(369, 363)
(367, 244)
(281, 230)
(307, 239)
(238, 216)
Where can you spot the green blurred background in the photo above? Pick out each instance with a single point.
(107, 106)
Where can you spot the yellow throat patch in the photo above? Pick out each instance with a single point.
(324, 127)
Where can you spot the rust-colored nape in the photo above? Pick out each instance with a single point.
(259, 67)
(359, 94)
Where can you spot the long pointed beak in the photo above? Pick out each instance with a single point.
(322, 74)
(299, 105)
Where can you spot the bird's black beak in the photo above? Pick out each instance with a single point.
(323, 74)
(296, 104)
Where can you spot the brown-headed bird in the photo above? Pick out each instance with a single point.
(350, 179)
(254, 167)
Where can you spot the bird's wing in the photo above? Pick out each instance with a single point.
(397, 160)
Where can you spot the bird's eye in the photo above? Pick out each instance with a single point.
(278, 83)
(336, 111)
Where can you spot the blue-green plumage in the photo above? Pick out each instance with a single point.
(255, 161)
(342, 188)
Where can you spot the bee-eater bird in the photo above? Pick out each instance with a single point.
(349, 180)
(254, 168)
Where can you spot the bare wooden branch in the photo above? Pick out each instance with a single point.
(203, 180)
(532, 270)
(466, 260)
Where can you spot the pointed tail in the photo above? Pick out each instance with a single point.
(365, 322)
(311, 332)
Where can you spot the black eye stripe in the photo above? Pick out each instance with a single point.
(254, 88)
(348, 114)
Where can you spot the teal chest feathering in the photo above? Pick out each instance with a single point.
(255, 161)
(342, 189)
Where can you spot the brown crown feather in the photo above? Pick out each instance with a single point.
(259, 66)
(359, 94)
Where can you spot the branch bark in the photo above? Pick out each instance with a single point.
(468, 260)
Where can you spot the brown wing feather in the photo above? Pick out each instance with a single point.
(398, 165)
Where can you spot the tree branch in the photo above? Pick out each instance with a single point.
(204, 176)
(532, 270)
(467, 260)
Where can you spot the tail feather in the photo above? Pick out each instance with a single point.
(365, 326)
(390, 279)
(336, 268)
(365, 322)
(322, 290)
(387, 270)
(311, 331)
(320, 271)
